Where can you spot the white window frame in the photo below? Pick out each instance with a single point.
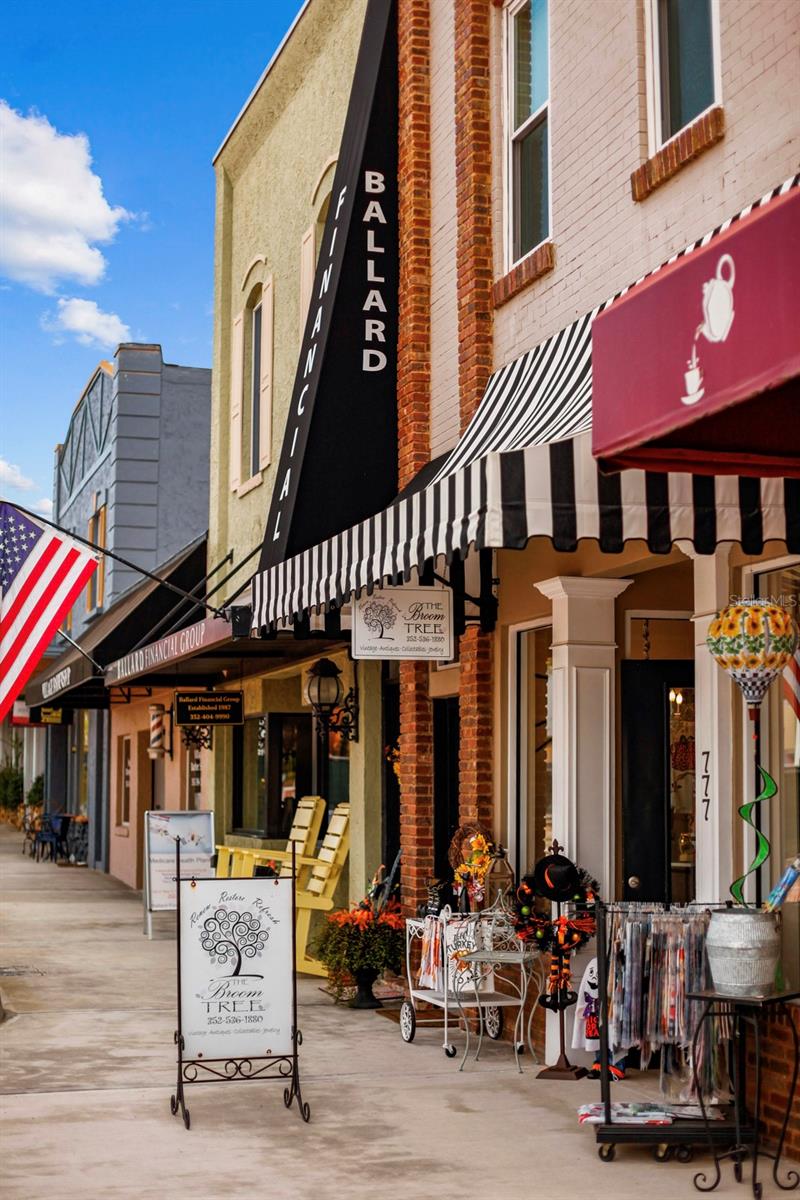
(517, 839)
(254, 388)
(778, 852)
(509, 137)
(655, 141)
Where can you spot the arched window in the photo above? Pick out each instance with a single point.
(251, 386)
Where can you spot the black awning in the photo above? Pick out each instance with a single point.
(338, 462)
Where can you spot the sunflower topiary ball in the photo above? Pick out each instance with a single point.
(753, 641)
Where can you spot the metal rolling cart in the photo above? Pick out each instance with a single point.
(471, 946)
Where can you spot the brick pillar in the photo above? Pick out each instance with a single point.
(473, 202)
(414, 204)
(416, 781)
(413, 413)
(475, 801)
(474, 283)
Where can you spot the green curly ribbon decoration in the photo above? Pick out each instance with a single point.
(762, 843)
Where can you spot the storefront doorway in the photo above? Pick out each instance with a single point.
(445, 780)
(658, 780)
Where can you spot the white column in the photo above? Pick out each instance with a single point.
(584, 669)
(583, 691)
(714, 868)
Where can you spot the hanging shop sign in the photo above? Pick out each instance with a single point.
(696, 369)
(209, 708)
(237, 989)
(47, 714)
(338, 462)
(196, 833)
(401, 622)
(170, 649)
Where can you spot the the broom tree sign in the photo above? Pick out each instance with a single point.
(236, 967)
(231, 937)
(403, 623)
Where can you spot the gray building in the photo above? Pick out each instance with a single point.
(132, 476)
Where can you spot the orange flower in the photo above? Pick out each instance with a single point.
(754, 622)
(777, 623)
(715, 628)
(752, 661)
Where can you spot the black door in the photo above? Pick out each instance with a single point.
(390, 842)
(445, 780)
(647, 778)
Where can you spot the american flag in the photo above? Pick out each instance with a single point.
(41, 576)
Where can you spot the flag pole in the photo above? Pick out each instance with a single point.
(76, 537)
(81, 650)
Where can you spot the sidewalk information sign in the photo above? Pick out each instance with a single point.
(195, 834)
(237, 987)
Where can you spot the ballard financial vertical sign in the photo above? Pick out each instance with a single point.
(338, 463)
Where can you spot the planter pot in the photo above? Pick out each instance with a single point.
(364, 981)
(743, 947)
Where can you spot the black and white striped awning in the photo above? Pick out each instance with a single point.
(504, 499)
(524, 469)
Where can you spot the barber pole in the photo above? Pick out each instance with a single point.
(157, 747)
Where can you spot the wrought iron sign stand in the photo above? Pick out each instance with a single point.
(276, 1067)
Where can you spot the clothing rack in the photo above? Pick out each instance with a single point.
(682, 1134)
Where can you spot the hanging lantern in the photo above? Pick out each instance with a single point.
(753, 642)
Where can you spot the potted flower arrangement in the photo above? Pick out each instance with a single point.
(358, 944)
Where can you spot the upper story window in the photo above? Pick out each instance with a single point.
(96, 534)
(251, 389)
(528, 127)
(684, 64)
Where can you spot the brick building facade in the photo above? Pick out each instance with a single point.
(622, 194)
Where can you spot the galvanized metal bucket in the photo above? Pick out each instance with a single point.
(743, 947)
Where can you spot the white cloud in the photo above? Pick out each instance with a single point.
(52, 204)
(11, 476)
(44, 507)
(87, 323)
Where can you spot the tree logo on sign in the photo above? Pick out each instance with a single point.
(231, 937)
(379, 616)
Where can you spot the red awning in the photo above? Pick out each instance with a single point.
(697, 368)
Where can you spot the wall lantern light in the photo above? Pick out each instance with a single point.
(324, 694)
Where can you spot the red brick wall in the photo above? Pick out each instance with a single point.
(414, 169)
(475, 715)
(776, 1057)
(475, 308)
(413, 412)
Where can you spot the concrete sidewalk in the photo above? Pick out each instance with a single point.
(88, 1066)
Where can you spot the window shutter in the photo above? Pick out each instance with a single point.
(265, 383)
(237, 368)
(308, 265)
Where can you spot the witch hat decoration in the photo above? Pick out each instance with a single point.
(556, 877)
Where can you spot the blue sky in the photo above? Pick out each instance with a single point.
(115, 235)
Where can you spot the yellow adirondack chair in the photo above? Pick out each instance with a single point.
(303, 835)
(317, 896)
(240, 861)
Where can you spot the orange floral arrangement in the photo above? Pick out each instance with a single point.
(368, 935)
(471, 873)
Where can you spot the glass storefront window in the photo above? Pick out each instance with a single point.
(681, 799)
(82, 806)
(780, 754)
(534, 746)
(272, 771)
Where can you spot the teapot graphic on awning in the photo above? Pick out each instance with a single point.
(718, 313)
